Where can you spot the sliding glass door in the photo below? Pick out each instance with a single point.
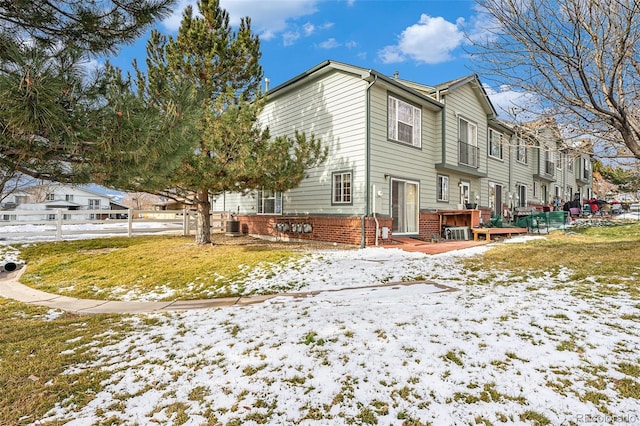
(404, 206)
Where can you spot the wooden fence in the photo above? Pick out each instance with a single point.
(58, 223)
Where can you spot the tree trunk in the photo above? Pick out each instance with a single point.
(203, 217)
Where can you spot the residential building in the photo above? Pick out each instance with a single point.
(404, 159)
(53, 197)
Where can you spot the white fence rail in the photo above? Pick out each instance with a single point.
(62, 224)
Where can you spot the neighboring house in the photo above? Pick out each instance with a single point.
(405, 159)
(53, 197)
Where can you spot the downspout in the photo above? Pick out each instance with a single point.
(374, 214)
(367, 165)
(444, 127)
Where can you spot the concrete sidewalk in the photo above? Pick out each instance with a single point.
(11, 288)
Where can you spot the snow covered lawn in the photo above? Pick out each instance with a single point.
(501, 349)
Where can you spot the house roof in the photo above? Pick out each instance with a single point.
(369, 75)
(429, 94)
(77, 188)
(477, 86)
(60, 204)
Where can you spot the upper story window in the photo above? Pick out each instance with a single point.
(341, 188)
(467, 132)
(495, 144)
(570, 164)
(467, 143)
(68, 197)
(521, 151)
(586, 168)
(94, 204)
(404, 122)
(50, 197)
(269, 202)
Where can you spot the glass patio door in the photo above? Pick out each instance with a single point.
(404, 206)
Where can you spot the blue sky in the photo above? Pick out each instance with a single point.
(423, 40)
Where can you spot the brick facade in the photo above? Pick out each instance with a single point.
(344, 229)
(334, 229)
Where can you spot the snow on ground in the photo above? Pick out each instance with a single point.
(503, 351)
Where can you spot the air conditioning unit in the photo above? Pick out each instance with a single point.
(458, 233)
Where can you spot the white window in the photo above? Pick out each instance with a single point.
(467, 132)
(94, 204)
(404, 122)
(495, 144)
(269, 202)
(586, 168)
(68, 197)
(50, 197)
(443, 188)
(536, 189)
(341, 188)
(468, 143)
(521, 151)
(570, 164)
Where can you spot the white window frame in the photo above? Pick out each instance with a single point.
(265, 195)
(50, 196)
(521, 151)
(94, 203)
(499, 143)
(442, 188)
(394, 118)
(472, 132)
(68, 197)
(342, 188)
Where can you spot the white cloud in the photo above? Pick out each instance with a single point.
(268, 19)
(482, 26)
(308, 29)
(172, 22)
(512, 104)
(351, 44)
(391, 55)
(430, 41)
(290, 37)
(330, 43)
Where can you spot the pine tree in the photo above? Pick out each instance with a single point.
(231, 152)
(57, 122)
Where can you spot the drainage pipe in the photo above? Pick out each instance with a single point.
(367, 157)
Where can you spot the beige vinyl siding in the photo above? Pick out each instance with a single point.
(497, 169)
(521, 173)
(332, 108)
(400, 160)
(463, 102)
